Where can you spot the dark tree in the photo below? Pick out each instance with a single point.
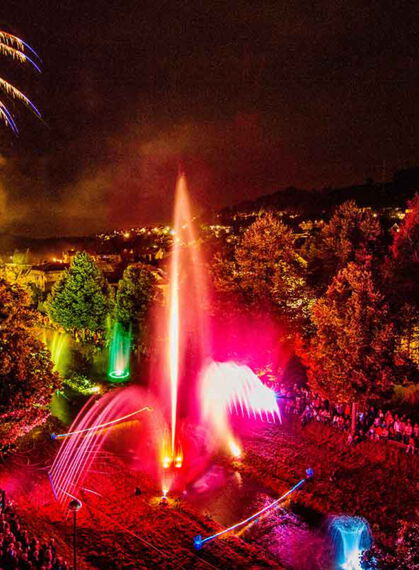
(136, 290)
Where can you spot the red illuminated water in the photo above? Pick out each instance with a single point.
(187, 343)
(191, 395)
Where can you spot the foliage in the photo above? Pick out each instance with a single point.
(404, 251)
(82, 384)
(401, 279)
(351, 355)
(408, 395)
(27, 380)
(265, 269)
(81, 300)
(352, 234)
(36, 295)
(407, 551)
(136, 290)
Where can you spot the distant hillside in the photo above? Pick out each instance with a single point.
(41, 248)
(313, 202)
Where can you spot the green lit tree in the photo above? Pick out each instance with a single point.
(27, 380)
(81, 300)
(136, 290)
(351, 355)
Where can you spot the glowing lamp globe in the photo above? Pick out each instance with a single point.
(74, 505)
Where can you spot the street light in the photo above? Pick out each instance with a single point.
(74, 506)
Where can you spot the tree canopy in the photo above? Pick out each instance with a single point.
(27, 380)
(80, 301)
(401, 279)
(266, 269)
(403, 262)
(136, 290)
(351, 355)
(351, 234)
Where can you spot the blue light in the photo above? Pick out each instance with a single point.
(199, 541)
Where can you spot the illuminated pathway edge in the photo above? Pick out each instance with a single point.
(199, 541)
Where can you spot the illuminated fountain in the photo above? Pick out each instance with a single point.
(119, 354)
(80, 447)
(193, 397)
(186, 347)
(58, 344)
(351, 537)
(229, 389)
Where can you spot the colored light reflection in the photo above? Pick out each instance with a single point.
(199, 541)
(119, 353)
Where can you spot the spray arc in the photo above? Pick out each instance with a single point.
(192, 395)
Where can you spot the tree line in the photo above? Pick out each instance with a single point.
(346, 295)
(82, 303)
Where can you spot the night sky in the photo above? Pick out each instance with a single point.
(248, 97)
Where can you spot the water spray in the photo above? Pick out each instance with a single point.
(101, 426)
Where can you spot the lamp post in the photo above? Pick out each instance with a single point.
(74, 506)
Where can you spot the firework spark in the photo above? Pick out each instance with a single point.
(14, 47)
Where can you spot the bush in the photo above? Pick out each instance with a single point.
(81, 384)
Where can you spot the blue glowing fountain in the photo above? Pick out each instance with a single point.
(351, 537)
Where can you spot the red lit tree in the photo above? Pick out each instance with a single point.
(352, 234)
(27, 380)
(265, 270)
(402, 280)
(350, 357)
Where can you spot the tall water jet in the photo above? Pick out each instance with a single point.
(119, 353)
(192, 396)
(187, 331)
(351, 537)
